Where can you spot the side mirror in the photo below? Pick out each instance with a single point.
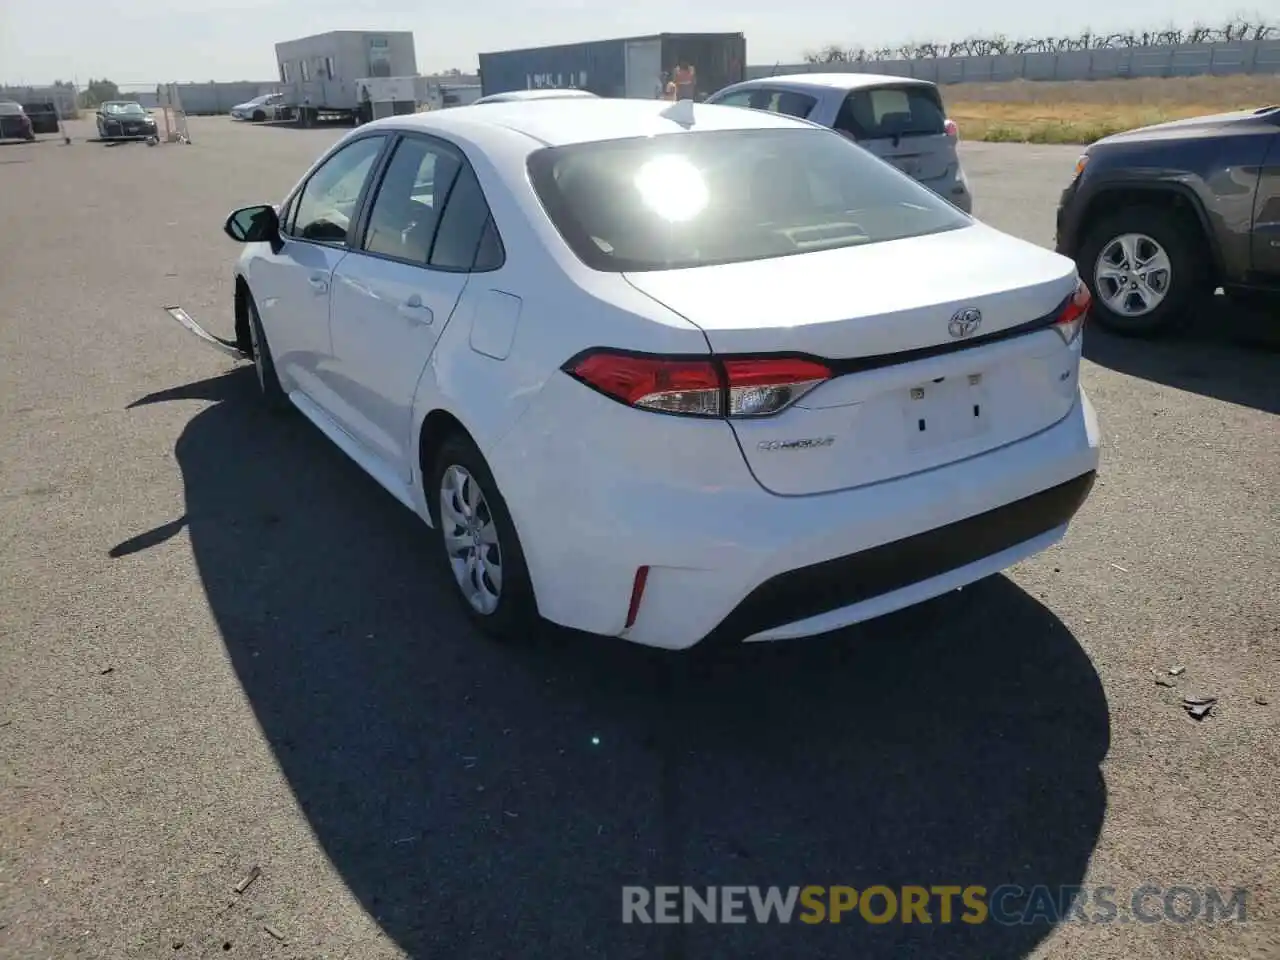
(256, 224)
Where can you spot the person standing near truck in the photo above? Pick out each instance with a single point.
(685, 79)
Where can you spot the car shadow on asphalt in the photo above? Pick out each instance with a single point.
(483, 800)
(1227, 351)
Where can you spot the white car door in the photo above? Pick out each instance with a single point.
(292, 287)
(392, 297)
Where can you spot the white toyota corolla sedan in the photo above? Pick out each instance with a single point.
(672, 372)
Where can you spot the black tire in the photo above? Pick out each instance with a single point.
(273, 395)
(515, 617)
(258, 116)
(1183, 241)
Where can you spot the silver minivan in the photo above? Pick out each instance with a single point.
(897, 118)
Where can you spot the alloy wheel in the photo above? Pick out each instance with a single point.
(1132, 275)
(471, 539)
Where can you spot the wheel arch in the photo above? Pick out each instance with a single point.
(437, 426)
(1110, 197)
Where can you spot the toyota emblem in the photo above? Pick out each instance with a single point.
(965, 322)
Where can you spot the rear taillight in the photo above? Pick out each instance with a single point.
(699, 387)
(952, 130)
(1071, 318)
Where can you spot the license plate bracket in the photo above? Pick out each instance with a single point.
(945, 411)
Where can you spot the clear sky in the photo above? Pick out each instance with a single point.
(145, 42)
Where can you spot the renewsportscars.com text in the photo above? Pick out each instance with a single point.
(1007, 905)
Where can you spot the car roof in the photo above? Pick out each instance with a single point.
(836, 81)
(10, 106)
(513, 96)
(568, 120)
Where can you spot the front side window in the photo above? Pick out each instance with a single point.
(726, 196)
(328, 201)
(306, 70)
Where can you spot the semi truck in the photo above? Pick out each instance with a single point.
(673, 65)
(320, 75)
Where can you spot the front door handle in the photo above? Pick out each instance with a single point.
(319, 283)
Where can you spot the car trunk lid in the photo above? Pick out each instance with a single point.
(911, 389)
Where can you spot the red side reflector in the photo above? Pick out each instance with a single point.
(637, 594)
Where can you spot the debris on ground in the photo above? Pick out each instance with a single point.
(1164, 682)
(1260, 700)
(1177, 670)
(274, 932)
(251, 876)
(1198, 707)
(103, 673)
(1120, 568)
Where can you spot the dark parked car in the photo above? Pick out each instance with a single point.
(44, 116)
(1157, 217)
(125, 120)
(14, 122)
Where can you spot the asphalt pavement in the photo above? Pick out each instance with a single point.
(226, 655)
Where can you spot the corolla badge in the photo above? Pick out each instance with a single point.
(807, 443)
(964, 323)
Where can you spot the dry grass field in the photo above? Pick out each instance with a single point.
(1082, 111)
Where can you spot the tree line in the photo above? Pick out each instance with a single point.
(1233, 31)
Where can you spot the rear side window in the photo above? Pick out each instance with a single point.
(894, 111)
(726, 196)
(787, 102)
(463, 225)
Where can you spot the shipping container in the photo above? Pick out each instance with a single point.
(635, 67)
(215, 97)
(318, 74)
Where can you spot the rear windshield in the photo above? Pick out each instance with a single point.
(726, 196)
(881, 112)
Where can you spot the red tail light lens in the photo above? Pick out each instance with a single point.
(738, 387)
(1071, 320)
(952, 130)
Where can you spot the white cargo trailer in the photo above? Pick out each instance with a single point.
(319, 74)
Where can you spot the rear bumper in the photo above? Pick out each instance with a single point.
(824, 596)
(954, 188)
(13, 130)
(730, 563)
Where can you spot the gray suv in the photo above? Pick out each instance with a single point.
(898, 119)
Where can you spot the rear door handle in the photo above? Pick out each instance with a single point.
(416, 310)
(319, 282)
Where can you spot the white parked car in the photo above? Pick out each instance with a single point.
(269, 106)
(897, 118)
(671, 372)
